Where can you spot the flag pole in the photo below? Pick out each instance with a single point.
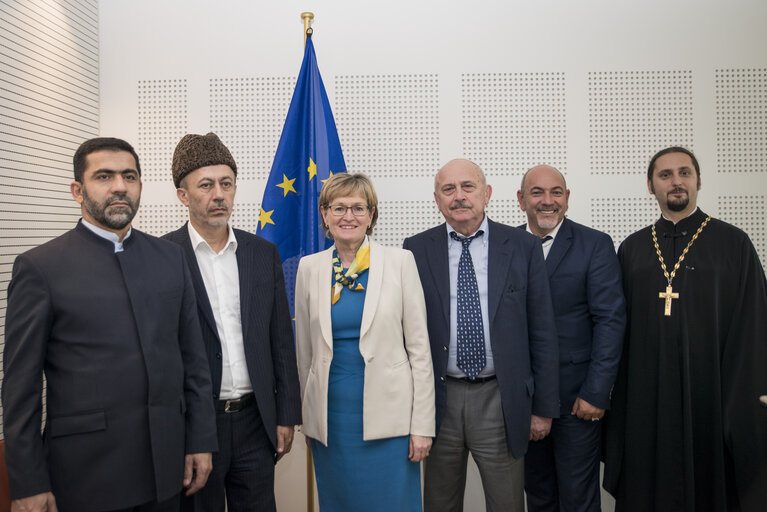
(308, 17)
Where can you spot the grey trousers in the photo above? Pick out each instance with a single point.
(473, 423)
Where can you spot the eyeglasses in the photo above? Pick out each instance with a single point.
(358, 210)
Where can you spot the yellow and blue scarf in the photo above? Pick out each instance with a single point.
(349, 279)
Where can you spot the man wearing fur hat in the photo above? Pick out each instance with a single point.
(245, 321)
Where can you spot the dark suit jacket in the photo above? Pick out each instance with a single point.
(522, 335)
(267, 332)
(128, 389)
(590, 313)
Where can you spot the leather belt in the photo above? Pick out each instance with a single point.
(236, 404)
(476, 380)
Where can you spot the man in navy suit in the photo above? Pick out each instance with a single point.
(493, 344)
(246, 327)
(562, 470)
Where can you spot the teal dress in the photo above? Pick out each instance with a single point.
(352, 474)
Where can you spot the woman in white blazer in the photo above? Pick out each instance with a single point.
(364, 363)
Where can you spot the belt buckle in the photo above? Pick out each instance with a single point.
(232, 406)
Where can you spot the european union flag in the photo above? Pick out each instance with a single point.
(308, 154)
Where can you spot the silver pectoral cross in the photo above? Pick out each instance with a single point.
(668, 295)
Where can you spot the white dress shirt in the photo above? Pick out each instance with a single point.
(222, 283)
(547, 243)
(478, 249)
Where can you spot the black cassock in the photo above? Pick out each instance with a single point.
(685, 430)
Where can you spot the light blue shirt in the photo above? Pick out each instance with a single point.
(108, 235)
(479, 257)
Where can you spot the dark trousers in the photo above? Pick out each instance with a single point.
(243, 469)
(562, 470)
(171, 505)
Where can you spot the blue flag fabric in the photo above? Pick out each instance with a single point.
(309, 153)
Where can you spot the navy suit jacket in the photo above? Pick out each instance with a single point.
(267, 332)
(590, 313)
(522, 336)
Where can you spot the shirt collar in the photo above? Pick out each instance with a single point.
(108, 235)
(482, 227)
(553, 233)
(197, 239)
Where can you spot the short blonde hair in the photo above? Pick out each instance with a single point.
(347, 185)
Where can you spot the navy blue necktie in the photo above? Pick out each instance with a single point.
(471, 334)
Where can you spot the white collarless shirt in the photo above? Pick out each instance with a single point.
(221, 276)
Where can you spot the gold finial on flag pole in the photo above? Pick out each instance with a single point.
(307, 17)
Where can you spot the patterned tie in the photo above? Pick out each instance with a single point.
(471, 334)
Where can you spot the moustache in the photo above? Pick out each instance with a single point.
(459, 204)
(218, 205)
(123, 198)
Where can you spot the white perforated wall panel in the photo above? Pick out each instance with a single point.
(248, 114)
(741, 123)
(159, 219)
(162, 121)
(621, 216)
(749, 213)
(633, 114)
(388, 124)
(49, 104)
(513, 121)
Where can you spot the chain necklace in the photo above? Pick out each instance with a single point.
(669, 294)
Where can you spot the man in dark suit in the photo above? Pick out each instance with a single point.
(562, 470)
(246, 326)
(108, 314)
(493, 344)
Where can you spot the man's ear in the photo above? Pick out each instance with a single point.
(182, 196)
(76, 188)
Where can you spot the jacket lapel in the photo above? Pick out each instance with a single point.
(438, 257)
(323, 282)
(499, 261)
(245, 271)
(373, 292)
(203, 303)
(559, 248)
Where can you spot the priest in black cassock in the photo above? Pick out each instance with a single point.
(686, 431)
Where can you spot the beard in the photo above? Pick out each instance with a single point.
(115, 218)
(678, 205)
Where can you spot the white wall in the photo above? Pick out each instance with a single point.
(594, 87)
(49, 104)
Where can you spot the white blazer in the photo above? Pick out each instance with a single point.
(398, 395)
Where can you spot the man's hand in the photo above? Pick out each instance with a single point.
(419, 448)
(44, 502)
(586, 411)
(197, 467)
(284, 440)
(539, 427)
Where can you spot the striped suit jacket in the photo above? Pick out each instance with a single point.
(266, 328)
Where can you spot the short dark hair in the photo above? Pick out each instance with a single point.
(100, 144)
(672, 149)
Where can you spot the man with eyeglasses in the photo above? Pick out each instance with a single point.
(494, 346)
(246, 327)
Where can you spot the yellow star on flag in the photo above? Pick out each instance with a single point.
(326, 179)
(312, 169)
(265, 218)
(287, 185)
